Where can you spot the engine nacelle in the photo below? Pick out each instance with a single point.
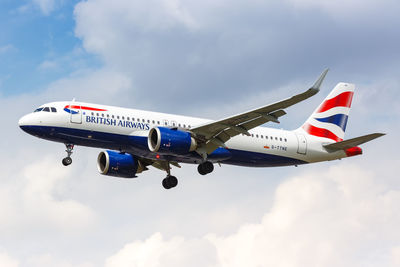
(170, 141)
(117, 164)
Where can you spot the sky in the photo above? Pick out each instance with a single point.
(207, 59)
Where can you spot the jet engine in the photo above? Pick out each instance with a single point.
(118, 164)
(170, 141)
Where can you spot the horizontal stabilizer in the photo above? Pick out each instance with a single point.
(353, 142)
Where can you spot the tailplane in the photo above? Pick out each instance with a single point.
(329, 120)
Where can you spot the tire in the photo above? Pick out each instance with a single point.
(205, 168)
(67, 161)
(201, 170)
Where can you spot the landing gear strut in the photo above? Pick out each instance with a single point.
(68, 160)
(169, 181)
(205, 168)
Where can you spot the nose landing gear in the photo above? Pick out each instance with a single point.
(68, 160)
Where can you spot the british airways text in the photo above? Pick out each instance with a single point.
(120, 123)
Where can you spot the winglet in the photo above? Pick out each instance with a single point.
(318, 83)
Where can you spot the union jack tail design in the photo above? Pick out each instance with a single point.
(330, 118)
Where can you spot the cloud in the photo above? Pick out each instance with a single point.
(36, 200)
(7, 261)
(48, 260)
(155, 251)
(48, 65)
(45, 6)
(343, 216)
(6, 48)
(231, 49)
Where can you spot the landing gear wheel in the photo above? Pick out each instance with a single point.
(67, 161)
(205, 168)
(170, 182)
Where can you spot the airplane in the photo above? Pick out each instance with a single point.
(135, 139)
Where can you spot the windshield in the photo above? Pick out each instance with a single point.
(39, 109)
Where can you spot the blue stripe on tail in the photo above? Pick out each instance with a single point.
(338, 119)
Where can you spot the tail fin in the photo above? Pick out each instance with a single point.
(330, 118)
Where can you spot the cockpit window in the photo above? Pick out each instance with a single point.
(38, 109)
(53, 109)
(46, 109)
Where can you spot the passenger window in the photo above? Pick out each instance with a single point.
(154, 122)
(112, 116)
(102, 114)
(143, 120)
(117, 117)
(127, 118)
(285, 140)
(53, 109)
(262, 137)
(108, 115)
(280, 139)
(257, 135)
(184, 126)
(158, 122)
(148, 121)
(46, 109)
(92, 113)
(123, 118)
(276, 138)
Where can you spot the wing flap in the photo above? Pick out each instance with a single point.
(343, 145)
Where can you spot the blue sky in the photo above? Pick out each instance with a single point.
(209, 59)
(30, 38)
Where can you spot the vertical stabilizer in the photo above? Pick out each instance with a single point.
(329, 120)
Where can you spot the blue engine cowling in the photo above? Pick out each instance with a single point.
(170, 141)
(117, 164)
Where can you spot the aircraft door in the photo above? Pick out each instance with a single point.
(302, 144)
(76, 114)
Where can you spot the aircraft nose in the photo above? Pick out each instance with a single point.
(22, 121)
(27, 124)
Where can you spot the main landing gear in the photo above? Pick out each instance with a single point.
(205, 168)
(169, 181)
(68, 160)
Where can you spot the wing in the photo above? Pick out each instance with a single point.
(215, 134)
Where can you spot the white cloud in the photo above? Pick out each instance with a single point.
(46, 6)
(48, 65)
(344, 216)
(7, 261)
(157, 252)
(6, 48)
(36, 200)
(48, 260)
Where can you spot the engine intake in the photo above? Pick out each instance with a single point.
(170, 141)
(117, 164)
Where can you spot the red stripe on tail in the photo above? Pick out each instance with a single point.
(312, 130)
(342, 100)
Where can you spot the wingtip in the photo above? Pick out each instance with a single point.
(321, 78)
